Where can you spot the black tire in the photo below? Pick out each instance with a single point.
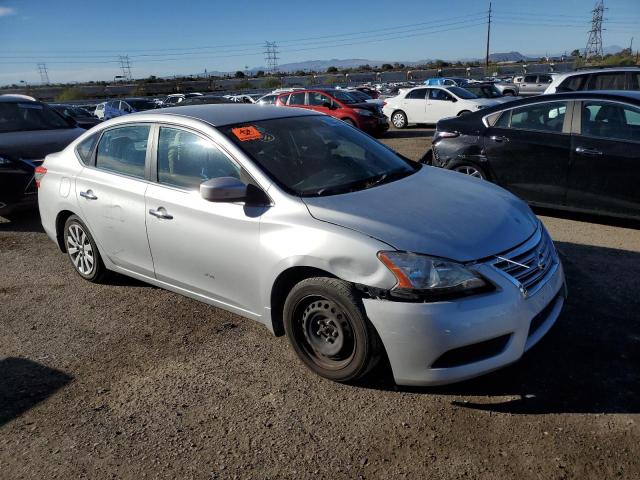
(467, 168)
(399, 119)
(510, 93)
(427, 158)
(328, 329)
(464, 112)
(88, 251)
(350, 122)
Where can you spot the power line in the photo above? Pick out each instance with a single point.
(594, 42)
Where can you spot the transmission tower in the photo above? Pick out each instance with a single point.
(44, 74)
(271, 56)
(125, 66)
(594, 43)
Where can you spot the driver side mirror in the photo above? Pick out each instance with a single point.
(223, 189)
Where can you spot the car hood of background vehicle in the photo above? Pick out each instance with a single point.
(365, 106)
(37, 144)
(435, 212)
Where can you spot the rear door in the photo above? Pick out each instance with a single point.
(529, 149)
(110, 192)
(414, 105)
(605, 167)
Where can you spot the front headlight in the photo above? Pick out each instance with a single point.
(421, 274)
(364, 112)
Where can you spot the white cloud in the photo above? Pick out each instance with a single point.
(6, 11)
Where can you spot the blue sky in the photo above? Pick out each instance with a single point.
(82, 39)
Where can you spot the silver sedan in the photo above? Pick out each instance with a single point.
(307, 225)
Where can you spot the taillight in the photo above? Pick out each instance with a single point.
(40, 173)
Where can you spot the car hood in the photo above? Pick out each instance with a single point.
(37, 144)
(485, 102)
(435, 212)
(374, 107)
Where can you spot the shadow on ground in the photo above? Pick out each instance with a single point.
(409, 132)
(590, 360)
(589, 218)
(24, 384)
(28, 221)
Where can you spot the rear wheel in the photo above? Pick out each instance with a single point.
(469, 169)
(82, 250)
(327, 327)
(399, 119)
(510, 93)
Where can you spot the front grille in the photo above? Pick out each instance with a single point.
(528, 265)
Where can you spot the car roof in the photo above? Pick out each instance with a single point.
(588, 71)
(223, 114)
(11, 97)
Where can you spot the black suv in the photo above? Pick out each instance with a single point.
(29, 131)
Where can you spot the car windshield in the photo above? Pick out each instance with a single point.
(462, 93)
(318, 155)
(18, 116)
(141, 105)
(485, 91)
(344, 97)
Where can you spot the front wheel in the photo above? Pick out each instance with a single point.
(327, 327)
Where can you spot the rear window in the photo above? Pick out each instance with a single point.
(85, 149)
(573, 84)
(27, 116)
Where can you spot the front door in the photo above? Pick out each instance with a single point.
(439, 105)
(528, 150)
(211, 249)
(605, 167)
(111, 192)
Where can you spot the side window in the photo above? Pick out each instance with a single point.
(284, 98)
(297, 98)
(547, 117)
(611, 120)
(417, 94)
(317, 99)
(85, 148)
(607, 81)
(186, 160)
(573, 84)
(634, 81)
(545, 79)
(123, 150)
(503, 121)
(529, 79)
(436, 94)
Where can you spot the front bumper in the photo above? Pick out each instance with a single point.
(416, 335)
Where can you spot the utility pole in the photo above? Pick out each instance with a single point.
(486, 62)
(271, 56)
(594, 42)
(44, 73)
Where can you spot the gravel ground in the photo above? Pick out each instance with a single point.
(129, 381)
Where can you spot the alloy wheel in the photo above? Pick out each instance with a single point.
(398, 120)
(80, 250)
(470, 170)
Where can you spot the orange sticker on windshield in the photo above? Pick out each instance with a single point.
(247, 133)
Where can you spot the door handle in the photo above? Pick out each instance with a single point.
(160, 213)
(498, 138)
(88, 195)
(588, 151)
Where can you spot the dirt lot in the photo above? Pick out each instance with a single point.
(130, 381)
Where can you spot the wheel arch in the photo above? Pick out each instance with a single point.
(283, 284)
(61, 219)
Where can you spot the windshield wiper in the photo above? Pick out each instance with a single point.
(362, 184)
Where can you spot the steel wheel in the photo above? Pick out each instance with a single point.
(399, 120)
(325, 332)
(80, 250)
(469, 170)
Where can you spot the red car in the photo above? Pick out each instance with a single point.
(338, 104)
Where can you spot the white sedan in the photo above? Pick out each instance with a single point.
(431, 104)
